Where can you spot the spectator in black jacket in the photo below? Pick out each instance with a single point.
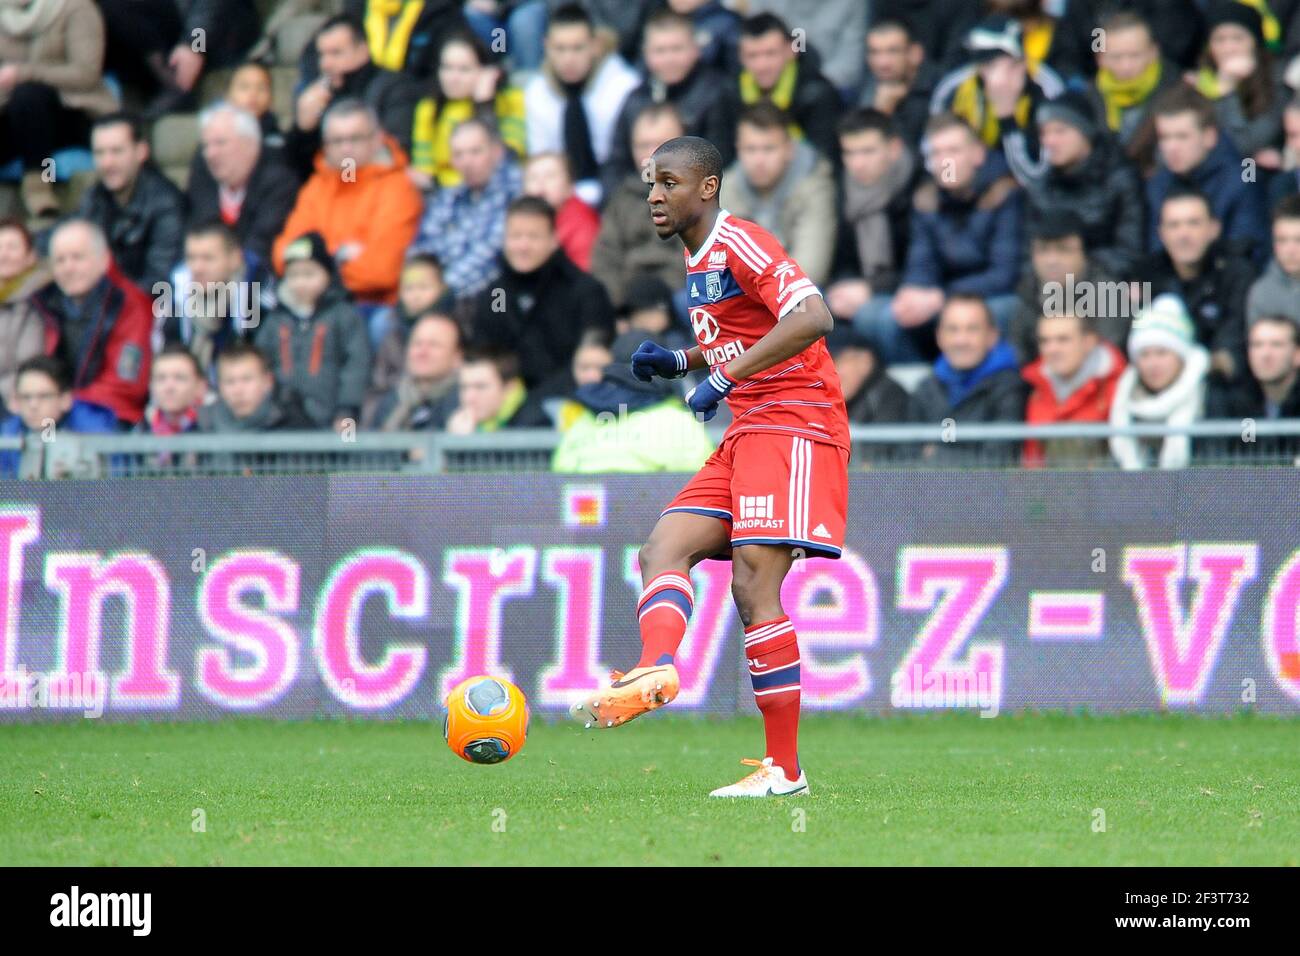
(900, 79)
(880, 175)
(138, 208)
(1270, 390)
(773, 71)
(541, 303)
(235, 180)
(1064, 279)
(346, 71)
(674, 74)
(976, 379)
(939, 25)
(1083, 173)
(870, 395)
(1209, 276)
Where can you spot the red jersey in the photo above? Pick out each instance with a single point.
(739, 284)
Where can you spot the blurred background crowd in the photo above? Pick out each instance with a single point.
(402, 215)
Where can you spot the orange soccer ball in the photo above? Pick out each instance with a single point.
(487, 720)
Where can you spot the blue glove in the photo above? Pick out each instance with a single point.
(650, 360)
(703, 398)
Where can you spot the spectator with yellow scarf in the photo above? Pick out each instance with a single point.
(997, 95)
(467, 84)
(1131, 72)
(772, 70)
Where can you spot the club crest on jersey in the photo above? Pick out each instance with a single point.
(713, 286)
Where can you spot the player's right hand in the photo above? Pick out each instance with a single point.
(650, 360)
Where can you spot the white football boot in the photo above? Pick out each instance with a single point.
(767, 781)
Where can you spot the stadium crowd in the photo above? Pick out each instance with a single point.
(1017, 210)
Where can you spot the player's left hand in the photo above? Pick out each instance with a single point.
(703, 399)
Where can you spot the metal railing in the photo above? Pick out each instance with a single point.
(1073, 446)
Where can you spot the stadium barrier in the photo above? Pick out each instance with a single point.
(370, 596)
(1074, 446)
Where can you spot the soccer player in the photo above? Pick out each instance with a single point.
(776, 488)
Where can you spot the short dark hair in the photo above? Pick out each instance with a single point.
(132, 121)
(440, 316)
(348, 22)
(50, 366)
(532, 206)
(654, 111)
(1181, 98)
(596, 338)
(240, 349)
(1125, 20)
(940, 122)
(967, 298)
(251, 65)
(570, 15)
(1276, 320)
(668, 19)
(765, 116)
(1288, 207)
(866, 119)
(506, 361)
(213, 227)
(763, 23)
(1087, 324)
(18, 226)
(423, 259)
(700, 155)
(179, 350)
(893, 23)
(1179, 193)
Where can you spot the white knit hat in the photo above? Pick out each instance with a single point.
(1166, 324)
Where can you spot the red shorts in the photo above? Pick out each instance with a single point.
(774, 489)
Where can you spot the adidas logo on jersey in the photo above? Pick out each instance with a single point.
(821, 532)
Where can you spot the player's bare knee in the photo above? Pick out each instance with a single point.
(657, 555)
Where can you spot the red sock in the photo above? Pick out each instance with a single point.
(772, 651)
(662, 612)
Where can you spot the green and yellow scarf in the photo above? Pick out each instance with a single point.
(1121, 95)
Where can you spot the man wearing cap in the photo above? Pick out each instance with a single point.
(995, 93)
(1164, 385)
(1083, 173)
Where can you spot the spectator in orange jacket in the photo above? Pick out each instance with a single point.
(1073, 380)
(97, 321)
(361, 201)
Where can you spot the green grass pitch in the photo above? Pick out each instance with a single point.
(925, 790)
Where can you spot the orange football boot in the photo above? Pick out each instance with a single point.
(628, 696)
